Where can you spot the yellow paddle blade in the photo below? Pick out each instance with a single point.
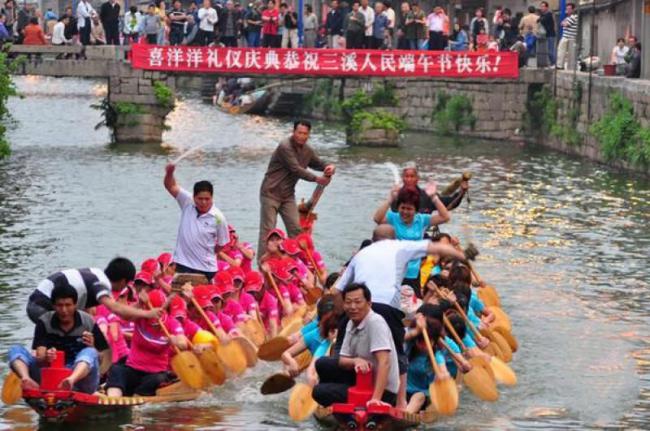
(303, 359)
(428, 415)
(255, 331)
(272, 350)
(509, 337)
(188, 368)
(276, 384)
(487, 297)
(301, 404)
(501, 318)
(503, 373)
(493, 292)
(12, 389)
(504, 347)
(232, 357)
(479, 382)
(290, 325)
(479, 361)
(212, 367)
(444, 396)
(249, 350)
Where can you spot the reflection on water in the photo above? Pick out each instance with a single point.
(565, 242)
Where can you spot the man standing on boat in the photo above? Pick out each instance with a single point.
(203, 229)
(288, 164)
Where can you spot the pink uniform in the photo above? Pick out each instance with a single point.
(219, 320)
(269, 309)
(247, 302)
(234, 310)
(320, 263)
(150, 347)
(246, 264)
(292, 292)
(119, 347)
(190, 328)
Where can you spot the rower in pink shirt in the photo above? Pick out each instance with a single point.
(287, 285)
(236, 253)
(267, 303)
(147, 363)
(305, 240)
(231, 307)
(246, 300)
(178, 311)
(203, 295)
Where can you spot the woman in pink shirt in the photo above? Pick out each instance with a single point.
(267, 303)
(319, 270)
(231, 307)
(237, 254)
(204, 294)
(246, 300)
(146, 366)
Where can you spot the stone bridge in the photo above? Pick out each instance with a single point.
(138, 115)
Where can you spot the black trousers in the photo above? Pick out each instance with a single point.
(436, 41)
(84, 32)
(132, 381)
(112, 31)
(229, 41)
(393, 318)
(354, 40)
(335, 381)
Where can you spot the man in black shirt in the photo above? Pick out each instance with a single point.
(547, 21)
(334, 26)
(178, 18)
(66, 330)
(109, 14)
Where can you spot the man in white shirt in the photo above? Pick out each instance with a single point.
(203, 229)
(435, 23)
(84, 12)
(58, 32)
(381, 266)
(132, 25)
(390, 14)
(207, 19)
(369, 14)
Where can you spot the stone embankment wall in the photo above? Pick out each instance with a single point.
(602, 88)
(135, 87)
(499, 105)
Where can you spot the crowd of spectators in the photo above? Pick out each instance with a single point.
(352, 24)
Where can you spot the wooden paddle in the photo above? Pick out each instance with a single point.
(509, 337)
(301, 403)
(502, 372)
(255, 331)
(277, 383)
(305, 247)
(501, 318)
(230, 354)
(286, 320)
(249, 349)
(442, 392)
(311, 203)
(185, 363)
(272, 350)
(12, 389)
(485, 292)
(497, 338)
(478, 380)
(212, 366)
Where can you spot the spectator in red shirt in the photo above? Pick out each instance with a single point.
(270, 18)
(34, 33)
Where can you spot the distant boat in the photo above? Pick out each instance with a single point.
(253, 102)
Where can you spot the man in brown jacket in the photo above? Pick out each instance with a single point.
(288, 165)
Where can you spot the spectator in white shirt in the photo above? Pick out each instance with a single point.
(207, 19)
(132, 25)
(58, 32)
(435, 23)
(84, 12)
(369, 14)
(390, 14)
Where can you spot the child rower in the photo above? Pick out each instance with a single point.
(112, 325)
(236, 253)
(147, 364)
(206, 296)
(267, 303)
(305, 240)
(245, 300)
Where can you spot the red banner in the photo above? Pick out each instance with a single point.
(327, 62)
